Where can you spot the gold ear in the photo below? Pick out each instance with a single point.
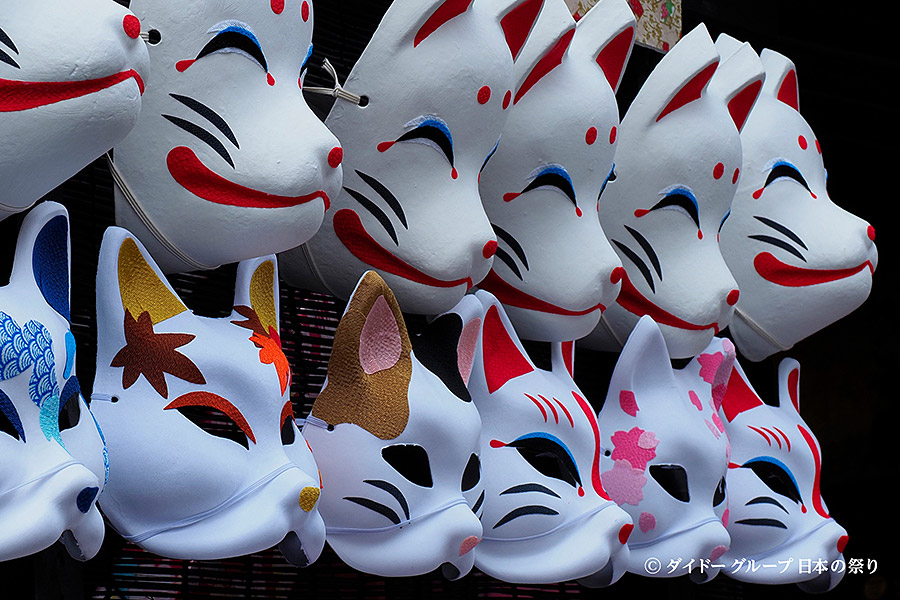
(262, 295)
(142, 289)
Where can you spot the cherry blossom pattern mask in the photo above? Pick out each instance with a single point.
(666, 454)
(553, 268)
(545, 514)
(53, 457)
(801, 261)
(227, 162)
(206, 461)
(677, 165)
(395, 435)
(777, 514)
(71, 77)
(436, 76)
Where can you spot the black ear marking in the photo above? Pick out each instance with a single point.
(436, 349)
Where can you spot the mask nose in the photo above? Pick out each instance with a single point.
(468, 544)
(308, 498)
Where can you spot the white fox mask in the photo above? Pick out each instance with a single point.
(227, 162)
(438, 78)
(553, 269)
(777, 514)
(801, 261)
(71, 77)
(395, 436)
(545, 513)
(206, 461)
(666, 454)
(53, 465)
(677, 166)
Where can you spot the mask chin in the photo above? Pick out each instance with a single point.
(71, 544)
(817, 585)
(602, 578)
(292, 549)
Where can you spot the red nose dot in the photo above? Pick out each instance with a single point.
(625, 532)
(733, 297)
(132, 26)
(612, 135)
(842, 543)
(591, 136)
(617, 275)
(484, 95)
(304, 11)
(335, 157)
(467, 544)
(871, 233)
(802, 141)
(489, 249)
(718, 171)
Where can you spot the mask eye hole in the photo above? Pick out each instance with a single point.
(719, 495)
(288, 436)
(215, 415)
(776, 476)
(10, 423)
(673, 479)
(411, 461)
(70, 405)
(472, 474)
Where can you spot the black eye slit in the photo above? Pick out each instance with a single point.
(472, 474)
(673, 479)
(238, 41)
(682, 201)
(411, 461)
(766, 500)
(552, 179)
(548, 458)
(287, 432)
(70, 404)
(776, 478)
(523, 511)
(785, 170)
(10, 423)
(215, 422)
(432, 133)
(719, 495)
(762, 523)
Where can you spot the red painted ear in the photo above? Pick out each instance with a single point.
(548, 62)
(568, 353)
(443, 13)
(690, 91)
(742, 102)
(794, 388)
(518, 22)
(739, 397)
(502, 359)
(614, 55)
(787, 91)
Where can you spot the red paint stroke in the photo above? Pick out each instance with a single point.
(566, 411)
(787, 92)
(25, 95)
(739, 106)
(350, 231)
(182, 65)
(552, 408)
(568, 354)
(210, 400)
(772, 433)
(691, 90)
(512, 296)
(502, 359)
(287, 412)
(773, 270)
(614, 55)
(634, 302)
(738, 397)
(443, 13)
(794, 388)
(814, 448)
(197, 178)
(761, 432)
(517, 24)
(595, 467)
(550, 61)
(786, 439)
(539, 405)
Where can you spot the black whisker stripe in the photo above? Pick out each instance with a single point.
(208, 114)
(513, 244)
(781, 229)
(7, 41)
(6, 58)
(376, 212)
(524, 511)
(203, 135)
(632, 255)
(766, 500)
(779, 243)
(508, 261)
(377, 507)
(529, 487)
(478, 502)
(386, 194)
(763, 523)
(648, 249)
(393, 490)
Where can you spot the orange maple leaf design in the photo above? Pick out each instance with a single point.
(268, 342)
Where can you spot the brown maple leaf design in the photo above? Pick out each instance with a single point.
(268, 342)
(153, 355)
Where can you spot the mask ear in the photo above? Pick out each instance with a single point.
(256, 287)
(644, 370)
(562, 357)
(740, 395)
(738, 81)
(781, 78)
(789, 384)
(438, 13)
(469, 311)
(605, 35)
(502, 356)
(43, 255)
(546, 47)
(518, 21)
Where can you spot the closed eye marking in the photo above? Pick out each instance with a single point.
(529, 487)
(524, 511)
(430, 131)
(236, 37)
(393, 490)
(553, 176)
(206, 410)
(766, 500)
(678, 198)
(784, 169)
(763, 523)
(776, 475)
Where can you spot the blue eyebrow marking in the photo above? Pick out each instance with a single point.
(547, 436)
(774, 461)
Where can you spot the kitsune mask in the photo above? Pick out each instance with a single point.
(666, 454)
(227, 162)
(777, 514)
(438, 76)
(677, 165)
(553, 268)
(205, 459)
(545, 514)
(801, 261)
(395, 436)
(71, 77)
(53, 466)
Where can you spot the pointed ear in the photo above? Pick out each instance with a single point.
(740, 395)
(723, 373)
(257, 287)
(438, 13)
(643, 365)
(469, 311)
(606, 34)
(502, 355)
(781, 78)
(437, 349)
(547, 44)
(738, 81)
(789, 384)
(518, 22)
(43, 255)
(562, 357)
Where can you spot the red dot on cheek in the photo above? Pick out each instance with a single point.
(335, 157)
(489, 249)
(736, 176)
(132, 26)
(591, 136)
(304, 11)
(277, 6)
(612, 135)
(802, 141)
(506, 99)
(718, 171)
(484, 95)
(733, 297)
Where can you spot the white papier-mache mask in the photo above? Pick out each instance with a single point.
(395, 435)
(227, 162)
(777, 514)
(677, 165)
(53, 463)
(801, 261)
(438, 78)
(545, 513)
(666, 454)
(553, 267)
(206, 461)
(71, 77)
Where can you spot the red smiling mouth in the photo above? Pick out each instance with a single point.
(195, 177)
(356, 239)
(24, 95)
(779, 273)
(634, 302)
(508, 294)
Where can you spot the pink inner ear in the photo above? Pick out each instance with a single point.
(465, 349)
(794, 388)
(739, 106)
(443, 13)
(612, 57)
(690, 91)
(787, 93)
(379, 340)
(739, 397)
(502, 359)
(517, 24)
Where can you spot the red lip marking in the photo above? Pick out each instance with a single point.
(195, 177)
(779, 273)
(350, 231)
(25, 95)
(634, 302)
(507, 294)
